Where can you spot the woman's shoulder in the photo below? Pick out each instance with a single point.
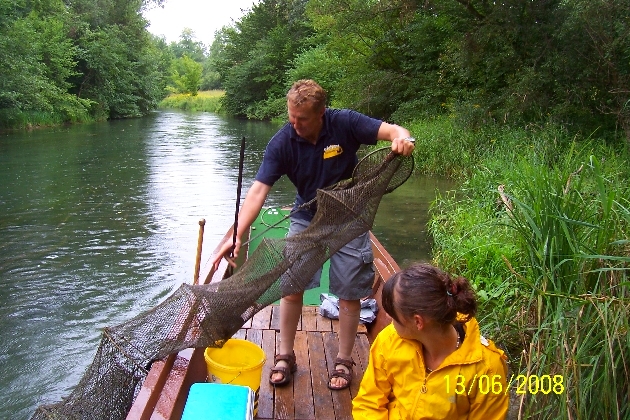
(387, 334)
(388, 338)
(492, 355)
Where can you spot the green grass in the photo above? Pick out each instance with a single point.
(207, 101)
(552, 272)
(572, 228)
(12, 119)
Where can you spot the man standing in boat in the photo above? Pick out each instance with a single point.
(317, 149)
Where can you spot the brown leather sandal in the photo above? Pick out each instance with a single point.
(340, 373)
(286, 372)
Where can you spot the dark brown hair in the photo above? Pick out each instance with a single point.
(307, 91)
(423, 289)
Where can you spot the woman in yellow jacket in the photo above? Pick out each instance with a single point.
(432, 362)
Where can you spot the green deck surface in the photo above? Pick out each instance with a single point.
(265, 226)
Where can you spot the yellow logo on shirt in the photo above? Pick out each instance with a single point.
(332, 151)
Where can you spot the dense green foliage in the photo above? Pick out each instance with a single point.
(186, 75)
(205, 101)
(256, 53)
(74, 61)
(550, 261)
(515, 62)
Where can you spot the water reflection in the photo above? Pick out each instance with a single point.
(402, 217)
(99, 222)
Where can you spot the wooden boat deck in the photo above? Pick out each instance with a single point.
(316, 346)
(163, 393)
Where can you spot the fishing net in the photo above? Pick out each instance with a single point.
(208, 315)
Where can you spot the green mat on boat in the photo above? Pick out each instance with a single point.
(267, 218)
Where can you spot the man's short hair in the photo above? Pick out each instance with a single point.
(307, 91)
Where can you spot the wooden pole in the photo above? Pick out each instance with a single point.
(202, 223)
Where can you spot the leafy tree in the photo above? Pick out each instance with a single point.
(380, 45)
(257, 53)
(212, 78)
(594, 62)
(67, 59)
(515, 62)
(318, 63)
(36, 59)
(189, 46)
(117, 64)
(186, 75)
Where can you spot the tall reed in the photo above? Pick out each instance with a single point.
(575, 303)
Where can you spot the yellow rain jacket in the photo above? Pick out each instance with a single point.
(469, 384)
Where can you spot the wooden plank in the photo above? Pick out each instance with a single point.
(361, 329)
(309, 318)
(335, 325)
(255, 336)
(381, 253)
(183, 375)
(262, 318)
(303, 389)
(384, 271)
(240, 334)
(322, 398)
(323, 323)
(275, 318)
(265, 399)
(342, 401)
(248, 323)
(283, 402)
(382, 319)
(360, 354)
(307, 396)
(362, 351)
(150, 392)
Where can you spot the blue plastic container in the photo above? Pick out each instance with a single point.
(219, 401)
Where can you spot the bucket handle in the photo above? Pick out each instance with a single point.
(234, 378)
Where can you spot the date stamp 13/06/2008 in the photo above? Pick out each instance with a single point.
(495, 385)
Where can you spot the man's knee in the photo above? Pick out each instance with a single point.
(295, 298)
(350, 307)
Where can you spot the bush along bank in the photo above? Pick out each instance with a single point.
(540, 224)
(206, 101)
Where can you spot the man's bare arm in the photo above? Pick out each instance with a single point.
(252, 205)
(402, 142)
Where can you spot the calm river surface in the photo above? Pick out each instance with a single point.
(99, 223)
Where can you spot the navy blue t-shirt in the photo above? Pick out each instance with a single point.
(313, 166)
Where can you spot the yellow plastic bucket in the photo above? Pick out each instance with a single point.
(238, 362)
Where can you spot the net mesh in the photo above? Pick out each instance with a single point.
(208, 315)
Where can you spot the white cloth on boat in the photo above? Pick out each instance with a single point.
(329, 308)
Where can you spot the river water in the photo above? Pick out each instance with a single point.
(99, 222)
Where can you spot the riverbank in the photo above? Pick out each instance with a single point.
(540, 225)
(204, 101)
(16, 120)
